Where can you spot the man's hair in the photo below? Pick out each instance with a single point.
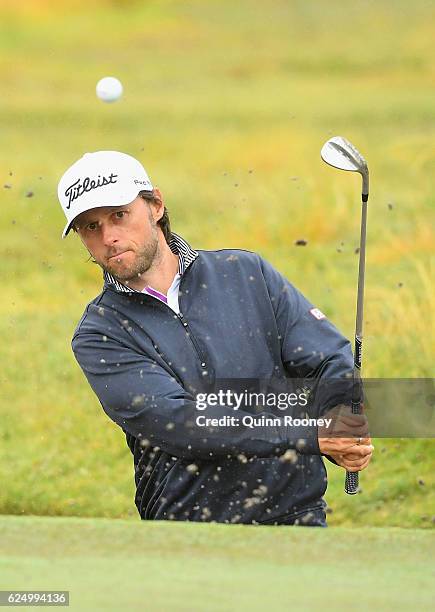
(164, 223)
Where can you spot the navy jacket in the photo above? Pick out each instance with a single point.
(240, 319)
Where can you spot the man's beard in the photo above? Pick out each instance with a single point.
(145, 258)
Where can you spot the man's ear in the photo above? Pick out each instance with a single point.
(159, 206)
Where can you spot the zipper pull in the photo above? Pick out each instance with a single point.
(181, 317)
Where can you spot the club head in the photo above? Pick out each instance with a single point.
(340, 153)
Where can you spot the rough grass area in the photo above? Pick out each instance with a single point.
(111, 564)
(227, 104)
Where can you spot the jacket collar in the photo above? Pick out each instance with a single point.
(186, 256)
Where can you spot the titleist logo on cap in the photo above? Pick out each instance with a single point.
(78, 188)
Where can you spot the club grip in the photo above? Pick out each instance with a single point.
(351, 483)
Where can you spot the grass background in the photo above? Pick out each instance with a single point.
(167, 566)
(227, 104)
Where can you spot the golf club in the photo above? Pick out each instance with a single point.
(340, 153)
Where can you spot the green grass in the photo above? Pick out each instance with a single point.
(227, 105)
(115, 565)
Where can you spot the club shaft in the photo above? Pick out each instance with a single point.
(361, 274)
(352, 478)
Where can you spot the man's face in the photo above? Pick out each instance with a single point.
(123, 240)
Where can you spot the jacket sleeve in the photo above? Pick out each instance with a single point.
(311, 346)
(146, 401)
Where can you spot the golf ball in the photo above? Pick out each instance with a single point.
(109, 89)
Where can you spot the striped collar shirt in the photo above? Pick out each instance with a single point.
(186, 256)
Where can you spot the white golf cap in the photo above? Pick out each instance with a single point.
(103, 178)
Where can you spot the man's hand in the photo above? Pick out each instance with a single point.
(347, 439)
(352, 456)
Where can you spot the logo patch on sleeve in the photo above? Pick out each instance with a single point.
(317, 314)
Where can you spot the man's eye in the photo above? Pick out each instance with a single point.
(92, 226)
(120, 214)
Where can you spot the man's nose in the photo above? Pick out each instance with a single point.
(109, 235)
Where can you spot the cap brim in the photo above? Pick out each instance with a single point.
(67, 229)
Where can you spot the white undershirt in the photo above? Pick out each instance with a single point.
(172, 295)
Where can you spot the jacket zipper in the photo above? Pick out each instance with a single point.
(193, 339)
(185, 324)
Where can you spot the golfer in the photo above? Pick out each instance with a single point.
(171, 321)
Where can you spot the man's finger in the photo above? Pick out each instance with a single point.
(344, 446)
(358, 450)
(357, 467)
(367, 461)
(356, 463)
(347, 438)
